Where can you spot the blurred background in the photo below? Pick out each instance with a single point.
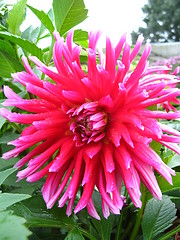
(157, 20)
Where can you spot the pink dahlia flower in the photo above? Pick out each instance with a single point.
(93, 129)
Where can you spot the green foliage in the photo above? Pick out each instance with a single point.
(44, 18)
(18, 209)
(162, 21)
(103, 227)
(12, 227)
(8, 199)
(158, 216)
(74, 234)
(24, 44)
(68, 15)
(2, 121)
(175, 161)
(8, 65)
(36, 214)
(4, 174)
(16, 17)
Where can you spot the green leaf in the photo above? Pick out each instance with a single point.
(8, 136)
(175, 124)
(8, 199)
(16, 17)
(12, 227)
(7, 47)
(104, 226)
(8, 65)
(158, 216)
(44, 18)
(74, 234)
(156, 146)
(42, 28)
(2, 121)
(169, 234)
(36, 214)
(2, 28)
(4, 174)
(165, 186)
(175, 161)
(80, 35)
(31, 34)
(24, 44)
(68, 14)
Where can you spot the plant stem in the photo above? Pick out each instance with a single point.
(49, 55)
(15, 126)
(139, 215)
(170, 234)
(121, 218)
(119, 226)
(50, 51)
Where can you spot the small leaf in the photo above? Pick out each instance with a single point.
(165, 186)
(4, 174)
(42, 28)
(8, 65)
(31, 34)
(24, 44)
(175, 124)
(69, 14)
(2, 121)
(175, 161)
(80, 35)
(44, 18)
(158, 216)
(12, 227)
(16, 16)
(74, 234)
(8, 199)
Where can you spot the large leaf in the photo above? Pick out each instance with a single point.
(44, 18)
(8, 199)
(158, 216)
(8, 65)
(12, 227)
(4, 174)
(74, 234)
(36, 214)
(25, 44)
(16, 16)
(68, 14)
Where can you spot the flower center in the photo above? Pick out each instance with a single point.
(88, 123)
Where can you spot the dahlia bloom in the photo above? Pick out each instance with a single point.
(93, 129)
